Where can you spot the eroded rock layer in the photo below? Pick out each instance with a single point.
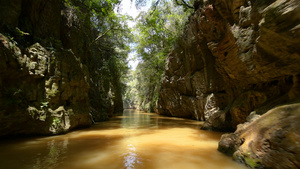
(235, 57)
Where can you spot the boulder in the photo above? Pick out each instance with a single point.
(268, 141)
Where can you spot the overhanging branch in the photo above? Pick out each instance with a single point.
(183, 3)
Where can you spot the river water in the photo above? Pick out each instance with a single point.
(134, 140)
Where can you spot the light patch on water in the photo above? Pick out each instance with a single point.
(131, 158)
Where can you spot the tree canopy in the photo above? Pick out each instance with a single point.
(109, 45)
(156, 33)
(153, 37)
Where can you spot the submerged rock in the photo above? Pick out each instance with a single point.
(270, 141)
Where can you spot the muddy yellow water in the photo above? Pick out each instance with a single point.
(133, 140)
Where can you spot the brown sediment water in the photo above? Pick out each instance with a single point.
(135, 140)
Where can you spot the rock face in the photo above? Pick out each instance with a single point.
(49, 79)
(238, 57)
(271, 141)
(41, 93)
(235, 57)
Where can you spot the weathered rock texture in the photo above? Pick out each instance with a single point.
(49, 80)
(41, 92)
(238, 57)
(271, 141)
(235, 56)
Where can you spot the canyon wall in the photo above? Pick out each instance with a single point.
(50, 79)
(235, 57)
(237, 60)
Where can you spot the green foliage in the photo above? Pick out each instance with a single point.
(44, 104)
(108, 49)
(130, 96)
(56, 122)
(251, 162)
(19, 32)
(185, 4)
(157, 32)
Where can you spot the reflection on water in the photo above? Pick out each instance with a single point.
(131, 141)
(56, 151)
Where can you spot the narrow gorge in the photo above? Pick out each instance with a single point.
(235, 66)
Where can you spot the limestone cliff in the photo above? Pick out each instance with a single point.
(49, 80)
(237, 60)
(235, 57)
